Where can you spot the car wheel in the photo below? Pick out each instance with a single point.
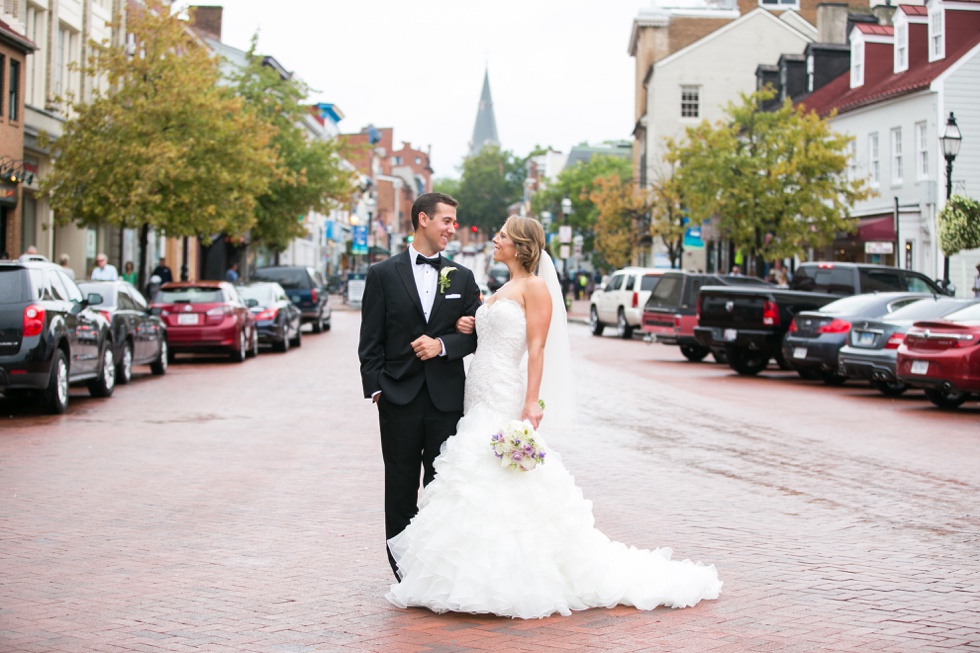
(946, 398)
(281, 345)
(239, 354)
(159, 366)
(747, 363)
(596, 326)
(254, 349)
(623, 329)
(808, 374)
(720, 356)
(781, 361)
(124, 370)
(694, 353)
(298, 340)
(318, 324)
(833, 379)
(105, 383)
(326, 325)
(889, 388)
(54, 398)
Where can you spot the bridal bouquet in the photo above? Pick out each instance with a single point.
(515, 446)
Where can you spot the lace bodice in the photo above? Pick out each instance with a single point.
(496, 378)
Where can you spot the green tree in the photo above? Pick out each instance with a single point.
(447, 185)
(165, 147)
(577, 184)
(310, 174)
(777, 181)
(492, 180)
(959, 225)
(667, 219)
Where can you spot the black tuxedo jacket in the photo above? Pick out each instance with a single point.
(392, 317)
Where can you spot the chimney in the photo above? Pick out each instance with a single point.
(207, 20)
(832, 22)
(884, 13)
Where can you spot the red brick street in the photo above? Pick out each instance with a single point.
(238, 508)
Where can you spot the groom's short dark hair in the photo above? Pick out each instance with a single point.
(426, 203)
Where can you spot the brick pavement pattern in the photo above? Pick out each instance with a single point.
(238, 508)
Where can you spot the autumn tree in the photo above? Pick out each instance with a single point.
(577, 183)
(776, 181)
(310, 175)
(667, 217)
(622, 221)
(164, 147)
(492, 180)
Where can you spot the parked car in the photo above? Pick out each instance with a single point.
(621, 300)
(484, 292)
(497, 276)
(670, 314)
(872, 346)
(814, 339)
(305, 288)
(748, 324)
(138, 336)
(50, 336)
(206, 317)
(943, 357)
(277, 320)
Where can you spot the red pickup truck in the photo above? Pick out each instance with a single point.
(670, 314)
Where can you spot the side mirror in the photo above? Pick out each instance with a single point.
(94, 299)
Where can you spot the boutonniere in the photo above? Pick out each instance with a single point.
(444, 279)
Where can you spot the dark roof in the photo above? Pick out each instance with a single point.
(11, 37)
(880, 82)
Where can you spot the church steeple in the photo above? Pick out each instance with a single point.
(485, 129)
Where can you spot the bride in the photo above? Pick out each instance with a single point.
(489, 539)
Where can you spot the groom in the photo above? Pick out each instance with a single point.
(412, 356)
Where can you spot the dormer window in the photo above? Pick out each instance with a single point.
(901, 42)
(937, 31)
(857, 59)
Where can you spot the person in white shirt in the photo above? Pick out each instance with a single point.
(976, 283)
(104, 271)
(65, 262)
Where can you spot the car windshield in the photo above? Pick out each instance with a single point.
(262, 294)
(850, 305)
(12, 285)
(968, 314)
(191, 295)
(649, 281)
(106, 290)
(289, 278)
(924, 309)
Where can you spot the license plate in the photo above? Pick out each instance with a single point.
(866, 338)
(187, 318)
(799, 352)
(920, 367)
(731, 334)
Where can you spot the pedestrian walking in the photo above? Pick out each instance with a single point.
(64, 261)
(231, 274)
(129, 272)
(163, 271)
(976, 283)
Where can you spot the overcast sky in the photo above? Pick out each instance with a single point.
(559, 70)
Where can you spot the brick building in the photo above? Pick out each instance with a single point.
(14, 50)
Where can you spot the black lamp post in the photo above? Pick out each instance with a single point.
(566, 211)
(951, 140)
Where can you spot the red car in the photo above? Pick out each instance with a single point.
(206, 317)
(943, 357)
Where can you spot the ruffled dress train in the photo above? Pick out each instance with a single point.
(488, 539)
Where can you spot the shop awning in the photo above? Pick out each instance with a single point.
(879, 227)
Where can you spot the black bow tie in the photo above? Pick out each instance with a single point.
(434, 262)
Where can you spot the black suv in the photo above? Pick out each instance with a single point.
(50, 336)
(305, 288)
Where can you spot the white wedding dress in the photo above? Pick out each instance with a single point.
(488, 539)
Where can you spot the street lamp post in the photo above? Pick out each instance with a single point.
(951, 140)
(565, 239)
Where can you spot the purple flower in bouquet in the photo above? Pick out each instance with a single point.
(516, 447)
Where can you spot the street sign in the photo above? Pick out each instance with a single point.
(565, 234)
(563, 251)
(359, 245)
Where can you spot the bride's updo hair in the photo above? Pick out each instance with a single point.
(528, 238)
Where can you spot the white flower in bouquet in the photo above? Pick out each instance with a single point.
(515, 446)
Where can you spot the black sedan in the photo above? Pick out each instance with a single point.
(815, 337)
(138, 336)
(277, 319)
(871, 351)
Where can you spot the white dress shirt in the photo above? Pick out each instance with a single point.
(426, 281)
(108, 273)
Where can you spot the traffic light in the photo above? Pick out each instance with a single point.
(409, 238)
(474, 229)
